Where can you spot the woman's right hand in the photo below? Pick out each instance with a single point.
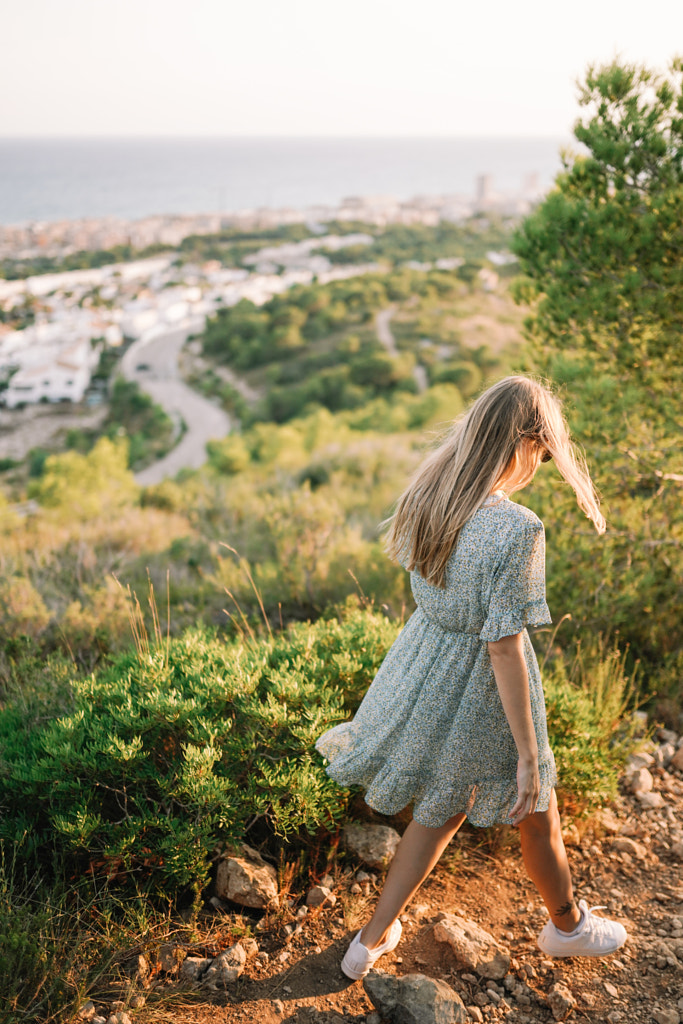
(528, 789)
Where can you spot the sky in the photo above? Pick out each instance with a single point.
(315, 67)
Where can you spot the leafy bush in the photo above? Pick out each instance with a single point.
(171, 749)
(589, 729)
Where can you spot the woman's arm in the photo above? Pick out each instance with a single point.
(512, 680)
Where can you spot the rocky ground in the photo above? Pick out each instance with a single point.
(628, 858)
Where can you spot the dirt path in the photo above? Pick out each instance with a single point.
(628, 860)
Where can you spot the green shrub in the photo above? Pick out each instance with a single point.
(589, 729)
(170, 750)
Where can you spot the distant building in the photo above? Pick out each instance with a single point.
(62, 379)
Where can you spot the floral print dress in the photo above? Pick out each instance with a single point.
(431, 730)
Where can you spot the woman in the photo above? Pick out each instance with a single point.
(454, 722)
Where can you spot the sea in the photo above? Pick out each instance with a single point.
(67, 179)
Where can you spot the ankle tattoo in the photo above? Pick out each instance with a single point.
(566, 908)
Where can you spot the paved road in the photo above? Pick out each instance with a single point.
(153, 365)
(386, 338)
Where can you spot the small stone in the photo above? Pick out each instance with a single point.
(475, 1013)
(373, 1018)
(481, 998)
(493, 995)
(677, 760)
(362, 876)
(607, 821)
(87, 1011)
(143, 967)
(327, 880)
(622, 844)
(247, 880)
(226, 968)
(651, 801)
(641, 781)
(374, 845)
(249, 945)
(117, 1006)
(661, 962)
(320, 896)
(614, 1017)
(137, 1002)
(666, 752)
(473, 947)
(667, 736)
(610, 989)
(560, 1001)
(666, 1016)
(98, 1020)
(119, 1018)
(193, 967)
(278, 1006)
(283, 957)
(355, 889)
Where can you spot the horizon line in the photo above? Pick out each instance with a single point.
(270, 137)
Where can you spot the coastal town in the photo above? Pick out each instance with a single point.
(58, 238)
(75, 315)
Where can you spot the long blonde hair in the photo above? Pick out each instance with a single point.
(474, 457)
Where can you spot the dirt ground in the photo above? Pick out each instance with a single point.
(624, 860)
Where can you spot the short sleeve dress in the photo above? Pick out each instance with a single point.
(431, 730)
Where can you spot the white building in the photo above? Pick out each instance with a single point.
(64, 378)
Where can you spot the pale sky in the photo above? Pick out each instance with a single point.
(314, 67)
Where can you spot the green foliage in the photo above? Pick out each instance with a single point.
(171, 749)
(602, 252)
(82, 486)
(603, 266)
(589, 729)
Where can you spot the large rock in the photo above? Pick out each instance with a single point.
(247, 880)
(560, 1001)
(473, 947)
(414, 999)
(374, 845)
(226, 968)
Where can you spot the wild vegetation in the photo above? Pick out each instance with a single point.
(126, 760)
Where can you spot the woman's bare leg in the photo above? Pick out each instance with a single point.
(416, 855)
(545, 859)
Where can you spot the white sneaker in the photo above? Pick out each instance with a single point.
(358, 959)
(596, 936)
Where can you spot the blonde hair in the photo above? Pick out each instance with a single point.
(478, 451)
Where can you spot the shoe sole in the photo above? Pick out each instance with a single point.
(598, 952)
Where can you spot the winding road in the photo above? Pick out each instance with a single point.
(153, 364)
(386, 338)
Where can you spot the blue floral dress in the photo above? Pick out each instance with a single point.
(431, 729)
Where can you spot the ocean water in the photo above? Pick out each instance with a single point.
(54, 179)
